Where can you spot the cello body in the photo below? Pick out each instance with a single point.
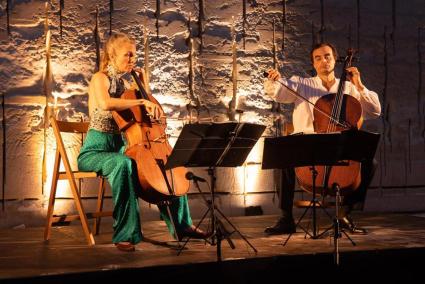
(348, 176)
(148, 146)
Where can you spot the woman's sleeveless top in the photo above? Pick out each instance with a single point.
(102, 120)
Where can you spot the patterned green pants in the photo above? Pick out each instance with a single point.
(103, 153)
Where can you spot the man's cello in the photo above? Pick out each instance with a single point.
(148, 146)
(332, 113)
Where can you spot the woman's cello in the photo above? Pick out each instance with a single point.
(148, 146)
(333, 113)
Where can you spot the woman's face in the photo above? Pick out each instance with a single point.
(124, 57)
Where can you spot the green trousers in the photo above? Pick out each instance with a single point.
(103, 153)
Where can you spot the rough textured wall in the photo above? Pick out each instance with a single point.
(389, 35)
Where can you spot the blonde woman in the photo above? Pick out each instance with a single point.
(103, 148)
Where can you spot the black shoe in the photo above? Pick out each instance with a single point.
(347, 223)
(283, 226)
(193, 233)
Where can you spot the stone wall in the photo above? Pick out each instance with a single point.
(388, 34)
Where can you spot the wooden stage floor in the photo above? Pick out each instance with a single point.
(394, 242)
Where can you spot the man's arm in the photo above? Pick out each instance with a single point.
(370, 104)
(369, 100)
(280, 93)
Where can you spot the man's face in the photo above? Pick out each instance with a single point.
(323, 60)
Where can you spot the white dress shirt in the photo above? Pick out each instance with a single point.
(312, 89)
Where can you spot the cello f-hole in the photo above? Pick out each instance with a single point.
(149, 146)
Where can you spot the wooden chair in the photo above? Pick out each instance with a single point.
(60, 127)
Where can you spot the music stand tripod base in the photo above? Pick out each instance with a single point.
(314, 203)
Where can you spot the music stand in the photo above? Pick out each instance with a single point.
(325, 149)
(215, 145)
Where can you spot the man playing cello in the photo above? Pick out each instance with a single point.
(323, 57)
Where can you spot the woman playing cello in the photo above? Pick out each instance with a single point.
(103, 148)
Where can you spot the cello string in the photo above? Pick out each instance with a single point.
(344, 124)
(349, 64)
(338, 103)
(336, 111)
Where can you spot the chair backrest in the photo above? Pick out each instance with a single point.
(66, 127)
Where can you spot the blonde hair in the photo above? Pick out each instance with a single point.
(109, 48)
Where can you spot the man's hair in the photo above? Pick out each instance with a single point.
(319, 45)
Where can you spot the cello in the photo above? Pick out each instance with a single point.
(333, 113)
(148, 146)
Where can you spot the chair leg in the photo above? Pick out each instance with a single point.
(52, 197)
(79, 205)
(99, 207)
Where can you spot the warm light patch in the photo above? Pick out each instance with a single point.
(248, 175)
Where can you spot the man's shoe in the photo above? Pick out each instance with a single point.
(193, 233)
(283, 226)
(347, 223)
(125, 246)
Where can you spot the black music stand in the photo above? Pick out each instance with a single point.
(215, 145)
(326, 149)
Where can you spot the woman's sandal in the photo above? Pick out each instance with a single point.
(125, 246)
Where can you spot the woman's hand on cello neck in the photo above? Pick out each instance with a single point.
(140, 71)
(142, 76)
